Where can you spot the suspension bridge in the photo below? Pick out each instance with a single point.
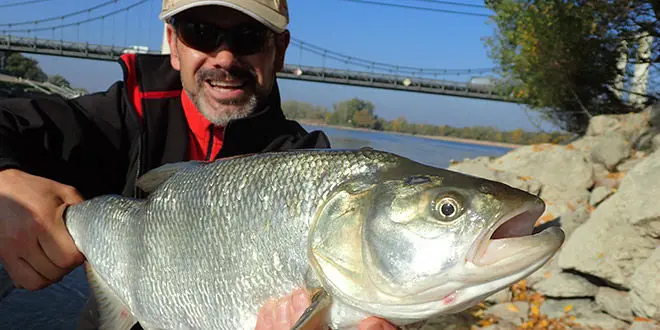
(70, 36)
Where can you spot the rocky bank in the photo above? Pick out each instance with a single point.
(604, 190)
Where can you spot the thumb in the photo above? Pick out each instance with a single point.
(69, 195)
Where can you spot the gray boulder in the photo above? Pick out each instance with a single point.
(611, 150)
(620, 233)
(565, 285)
(614, 302)
(645, 284)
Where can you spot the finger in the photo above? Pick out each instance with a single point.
(24, 276)
(301, 301)
(283, 313)
(375, 323)
(266, 316)
(58, 244)
(69, 195)
(36, 257)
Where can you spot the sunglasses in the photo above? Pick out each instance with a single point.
(245, 39)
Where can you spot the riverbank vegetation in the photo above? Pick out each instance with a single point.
(359, 113)
(573, 60)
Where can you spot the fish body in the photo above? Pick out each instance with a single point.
(381, 234)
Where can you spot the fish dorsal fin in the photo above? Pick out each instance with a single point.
(113, 313)
(151, 180)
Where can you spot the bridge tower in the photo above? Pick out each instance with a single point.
(641, 72)
(3, 60)
(165, 47)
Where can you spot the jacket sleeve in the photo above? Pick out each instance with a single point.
(80, 142)
(300, 139)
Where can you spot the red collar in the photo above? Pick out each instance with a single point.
(199, 132)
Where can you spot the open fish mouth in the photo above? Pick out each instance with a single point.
(511, 246)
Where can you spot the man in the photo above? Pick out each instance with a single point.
(215, 96)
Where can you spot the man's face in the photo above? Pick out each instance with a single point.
(225, 84)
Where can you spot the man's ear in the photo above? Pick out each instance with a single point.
(174, 53)
(281, 43)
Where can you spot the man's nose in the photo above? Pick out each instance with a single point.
(224, 57)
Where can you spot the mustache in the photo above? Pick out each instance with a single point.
(234, 73)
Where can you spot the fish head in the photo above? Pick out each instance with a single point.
(425, 241)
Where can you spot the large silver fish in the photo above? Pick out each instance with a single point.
(377, 233)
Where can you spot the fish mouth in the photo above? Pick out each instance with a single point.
(511, 246)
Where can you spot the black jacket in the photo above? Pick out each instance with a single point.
(99, 144)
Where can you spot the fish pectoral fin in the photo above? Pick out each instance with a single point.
(315, 313)
(113, 313)
(155, 177)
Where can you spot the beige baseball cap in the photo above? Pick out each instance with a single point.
(272, 13)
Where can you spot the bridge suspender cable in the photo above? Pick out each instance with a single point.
(378, 65)
(451, 3)
(80, 22)
(417, 8)
(16, 4)
(60, 17)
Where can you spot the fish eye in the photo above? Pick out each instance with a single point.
(446, 208)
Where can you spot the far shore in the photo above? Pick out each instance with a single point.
(433, 137)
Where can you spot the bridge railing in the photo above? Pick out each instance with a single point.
(62, 47)
(407, 82)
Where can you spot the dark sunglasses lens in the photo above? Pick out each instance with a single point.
(246, 41)
(207, 38)
(202, 37)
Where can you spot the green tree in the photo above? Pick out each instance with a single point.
(59, 81)
(345, 111)
(20, 66)
(560, 57)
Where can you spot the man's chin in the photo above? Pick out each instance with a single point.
(223, 112)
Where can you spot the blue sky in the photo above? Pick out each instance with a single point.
(418, 38)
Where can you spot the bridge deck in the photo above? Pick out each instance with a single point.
(305, 73)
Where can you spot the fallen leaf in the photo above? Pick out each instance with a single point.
(568, 308)
(512, 308)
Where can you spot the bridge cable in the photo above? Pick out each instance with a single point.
(417, 8)
(118, 11)
(54, 18)
(451, 3)
(377, 65)
(16, 4)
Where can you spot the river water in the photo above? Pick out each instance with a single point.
(57, 306)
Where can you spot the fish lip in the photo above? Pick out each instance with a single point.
(530, 212)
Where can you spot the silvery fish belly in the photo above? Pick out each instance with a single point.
(380, 234)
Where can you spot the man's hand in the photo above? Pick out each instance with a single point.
(35, 246)
(283, 313)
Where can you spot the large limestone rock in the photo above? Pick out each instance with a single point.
(620, 233)
(541, 163)
(566, 285)
(614, 302)
(645, 283)
(610, 150)
(481, 167)
(631, 126)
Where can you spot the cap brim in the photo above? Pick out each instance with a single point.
(259, 12)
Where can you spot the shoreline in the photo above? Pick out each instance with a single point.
(432, 137)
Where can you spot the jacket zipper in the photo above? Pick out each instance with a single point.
(209, 148)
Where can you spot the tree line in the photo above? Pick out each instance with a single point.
(17, 65)
(359, 113)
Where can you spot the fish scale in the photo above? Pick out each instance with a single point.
(170, 254)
